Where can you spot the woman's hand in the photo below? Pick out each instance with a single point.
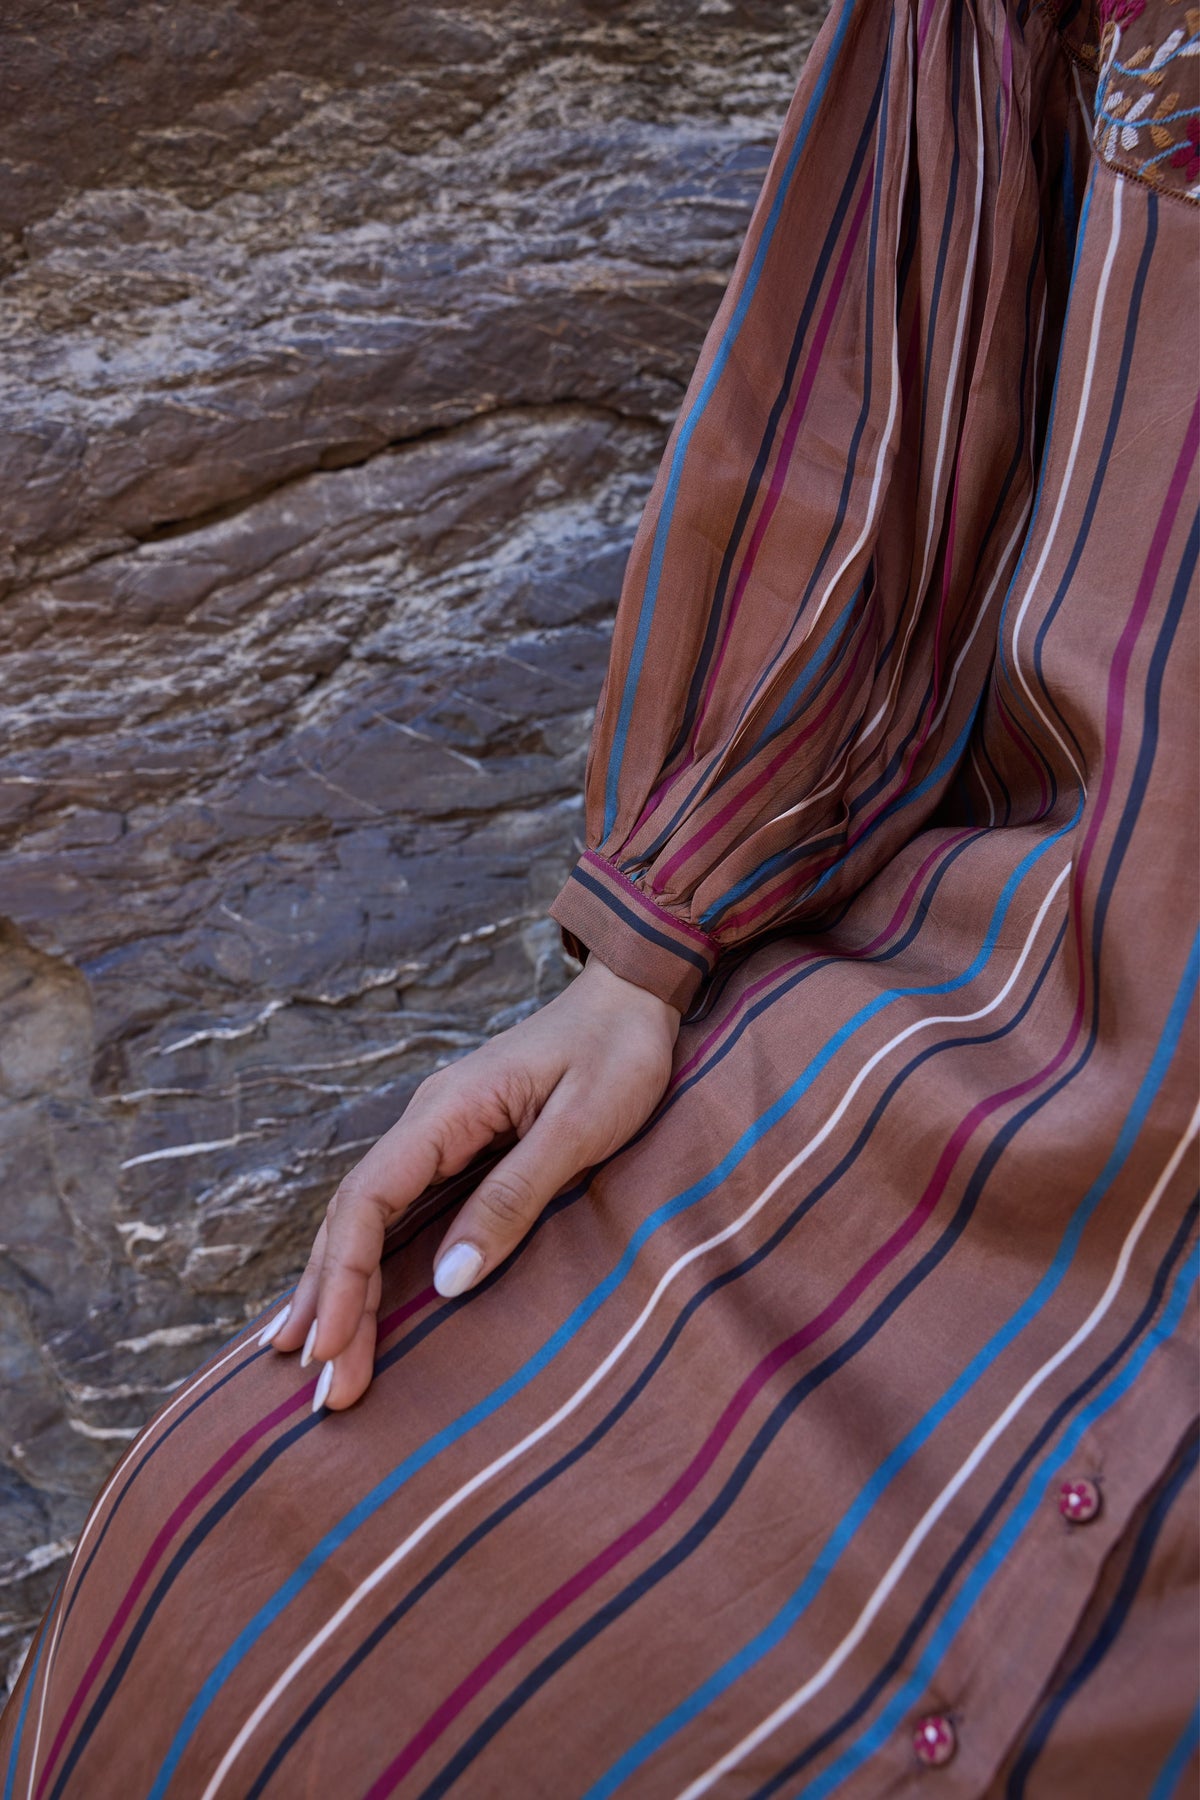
(574, 1082)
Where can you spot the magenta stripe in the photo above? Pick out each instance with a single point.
(403, 1312)
(1141, 605)
(738, 801)
(836, 1309)
(795, 419)
(663, 1510)
(648, 905)
(1033, 757)
(187, 1506)
(176, 1519)
(748, 995)
(792, 883)
(788, 443)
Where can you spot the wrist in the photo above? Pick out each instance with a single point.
(597, 978)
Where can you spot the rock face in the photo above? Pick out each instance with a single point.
(340, 345)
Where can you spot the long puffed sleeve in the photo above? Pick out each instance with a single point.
(812, 602)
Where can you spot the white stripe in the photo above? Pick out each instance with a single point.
(876, 488)
(935, 508)
(1066, 484)
(576, 1400)
(985, 785)
(121, 1469)
(835, 780)
(920, 1532)
(981, 612)
(885, 439)
(1001, 565)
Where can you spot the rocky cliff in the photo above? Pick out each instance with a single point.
(340, 343)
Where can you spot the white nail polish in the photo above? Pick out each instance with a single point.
(309, 1342)
(456, 1271)
(323, 1385)
(276, 1325)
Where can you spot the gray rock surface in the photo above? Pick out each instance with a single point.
(340, 343)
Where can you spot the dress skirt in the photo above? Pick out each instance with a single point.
(839, 1434)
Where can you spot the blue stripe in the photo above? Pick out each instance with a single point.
(909, 797)
(785, 857)
(1111, 1626)
(521, 1378)
(993, 1558)
(1072, 301)
(856, 1517)
(397, 1238)
(413, 1339)
(1169, 1776)
(1103, 458)
(25, 1699)
(780, 719)
(682, 442)
(549, 1473)
(785, 711)
(785, 1408)
(755, 478)
(965, 1547)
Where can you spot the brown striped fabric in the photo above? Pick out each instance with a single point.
(839, 1435)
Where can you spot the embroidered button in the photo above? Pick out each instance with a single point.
(1079, 1501)
(934, 1740)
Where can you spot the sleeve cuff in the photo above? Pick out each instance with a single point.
(634, 936)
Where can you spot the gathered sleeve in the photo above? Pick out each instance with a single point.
(811, 605)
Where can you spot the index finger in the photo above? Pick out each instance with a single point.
(420, 1147)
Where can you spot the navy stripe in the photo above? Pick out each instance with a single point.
(628, 915)
(991, 1156)
(1100, 473)
(1116, 1616)
(1154, 676)
(962, 1551)
(785, 1407)
(713, 1286)
(754, 485)
(577, 1192)
(793, 858)
(398, 1238)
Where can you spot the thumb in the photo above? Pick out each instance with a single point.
(510, 1198)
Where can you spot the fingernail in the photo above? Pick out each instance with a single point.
(309, 1344)
(276, 1325)
(454, 1272)
(322, 1393)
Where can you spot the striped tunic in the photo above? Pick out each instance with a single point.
(839, 1435)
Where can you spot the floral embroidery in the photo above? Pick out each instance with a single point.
(1121, 12)
(1148, 94)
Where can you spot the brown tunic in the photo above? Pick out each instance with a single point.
(839, 1435)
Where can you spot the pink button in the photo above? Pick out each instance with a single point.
(934, 1740)
(1079, 1501)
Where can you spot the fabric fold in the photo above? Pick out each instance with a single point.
(809, 613)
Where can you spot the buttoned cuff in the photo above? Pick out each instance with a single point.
(601, 910)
